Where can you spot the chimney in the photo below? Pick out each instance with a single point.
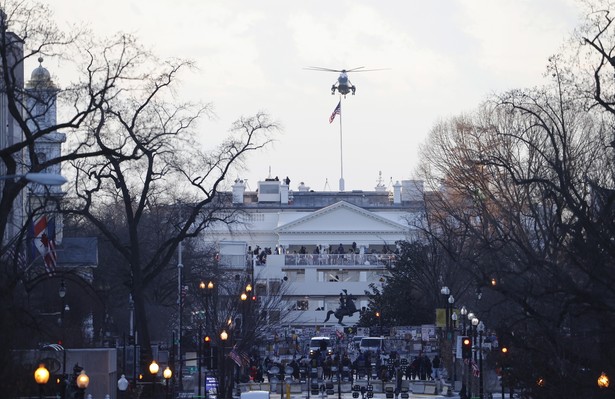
(412, 190)
(284, 193)
(397, 193)
(238, 189)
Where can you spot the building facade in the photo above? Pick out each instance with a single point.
(10, 132)
(319, 250)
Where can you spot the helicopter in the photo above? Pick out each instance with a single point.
(342, 85)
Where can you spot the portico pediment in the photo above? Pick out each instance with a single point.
(342, 217)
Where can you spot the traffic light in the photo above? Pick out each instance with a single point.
(466, 348)
(207, 342)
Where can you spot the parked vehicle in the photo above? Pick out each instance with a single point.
(373, 344)
(322, 344)
(356, 340)
(255, 395)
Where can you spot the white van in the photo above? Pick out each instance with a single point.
(316, 343)
(255, 395)
(373, 344)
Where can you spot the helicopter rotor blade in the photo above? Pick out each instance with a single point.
(322, 69)
(370, 70)
(357, 69)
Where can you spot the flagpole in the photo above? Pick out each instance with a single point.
(341, 151)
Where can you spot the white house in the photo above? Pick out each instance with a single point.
(320, 245)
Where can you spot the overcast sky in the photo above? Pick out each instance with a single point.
(443, 58)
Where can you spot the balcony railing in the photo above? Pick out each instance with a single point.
(340, 259)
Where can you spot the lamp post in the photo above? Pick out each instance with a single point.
(122, 386)
(82, 383)
(445, 291)
(180, 305)
(64, 306)
(463, 312)
(451, 302)
(153, 369)
(470, 317)
(379, 318)
(475, 322)
(453, 341)
(167, 374)
(481, 330)
(243, 298)
(210, 290)
(199, 358)
(132, 333)
(221, 362)
(41, 376)
(251, 298)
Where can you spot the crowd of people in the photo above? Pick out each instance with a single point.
(325, 366)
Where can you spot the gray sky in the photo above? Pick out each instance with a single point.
(444, 58)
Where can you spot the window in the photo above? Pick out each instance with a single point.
(303, 304)
(274, 287)
(269, 188)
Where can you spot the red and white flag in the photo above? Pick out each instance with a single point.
(336, 111)
(44, 242)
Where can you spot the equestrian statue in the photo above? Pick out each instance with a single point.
(347, 308)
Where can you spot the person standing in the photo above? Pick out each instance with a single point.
(436, 367)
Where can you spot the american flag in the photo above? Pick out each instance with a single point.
(241, 358)
(44, 234)
(475, 369)
(336, 111)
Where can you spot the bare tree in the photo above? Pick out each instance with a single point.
(517, 180)
(27, 33)
(149, 165)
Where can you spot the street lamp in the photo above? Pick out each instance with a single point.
(378, 316)
(481, 330)
(470, 317)
(82, 383)
(454, 322)
(463, 312)
(41, 376)
(603, 381)
(153, 369)
(64, 309)
(62, 290)
(451, 301)
(474, 346)
(167, 374)
(445, 291)
(222, 363)
(244, 298)
(122, 385)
